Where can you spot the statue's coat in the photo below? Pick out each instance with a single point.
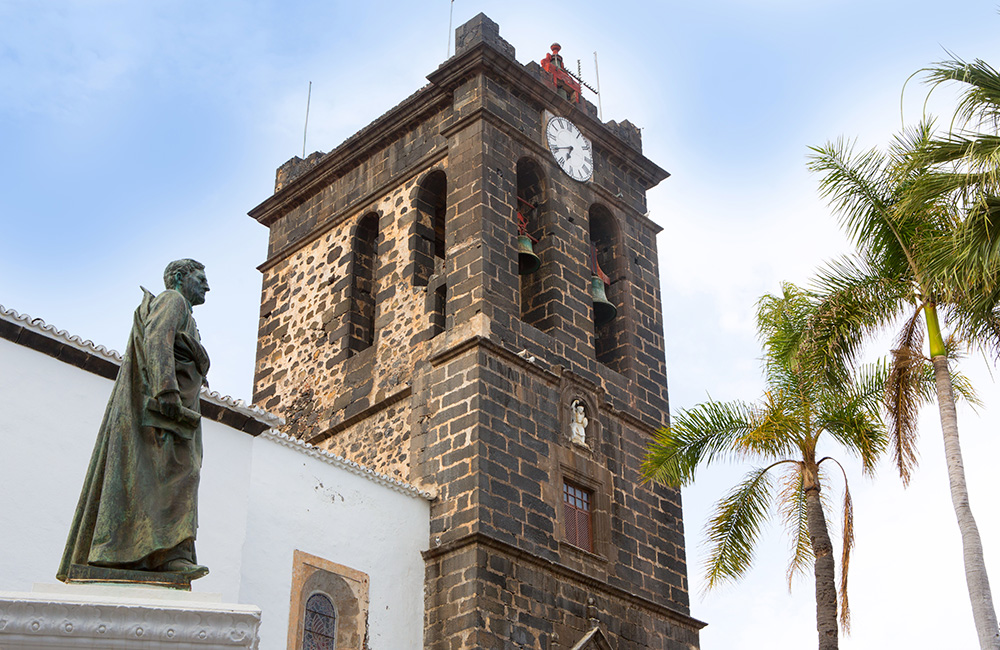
(140, 494)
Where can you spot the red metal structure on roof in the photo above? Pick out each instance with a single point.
(566, 85)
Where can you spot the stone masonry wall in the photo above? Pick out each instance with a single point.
(366, 177)
(305, 369)
(493, 428)
(481, 272)
(488, 598)
(502, 448)
(478, 412)
(564, 249)
(492, 433)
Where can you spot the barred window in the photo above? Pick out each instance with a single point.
(576, 507)
(320, 624)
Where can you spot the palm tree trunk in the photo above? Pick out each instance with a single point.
(824, 567)
(983, 612)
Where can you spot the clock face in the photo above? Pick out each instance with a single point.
(572, 151)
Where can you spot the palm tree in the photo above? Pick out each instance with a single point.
(782, 431)
(964, 164)
(902, 237)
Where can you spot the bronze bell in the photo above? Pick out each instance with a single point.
(604, 311)
(527, 261)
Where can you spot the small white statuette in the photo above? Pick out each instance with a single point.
(578, 427)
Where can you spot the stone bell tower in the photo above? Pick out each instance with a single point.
(398, 331)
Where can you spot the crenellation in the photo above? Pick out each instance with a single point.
(396, 331)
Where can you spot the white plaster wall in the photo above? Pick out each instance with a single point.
(49, 415)
(50, 412)
(302, 502)
(258, 502)
(222, 508)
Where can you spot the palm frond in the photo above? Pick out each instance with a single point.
(854, 301)
(869, 386)
(849, 418)
(856, 185)
(962, 265)
(847, 541)
(733, 530)
(980, 100)
(845, 559)
(975, 313)
(912, 334)
(698, 435)
(866, 191)
(782, 323)
(974, 248)
(964, 166)
(777, 431)
(903, 395)
(964, 390)
(961, 385)
(792, 507)
(964, 159)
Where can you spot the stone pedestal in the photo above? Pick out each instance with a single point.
(114, 617)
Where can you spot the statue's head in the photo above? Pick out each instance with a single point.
(188, 277)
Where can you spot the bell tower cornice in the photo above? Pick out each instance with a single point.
(485, 58)
(491, 57)
(465, 295)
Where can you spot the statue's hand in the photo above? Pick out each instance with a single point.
(170, 404)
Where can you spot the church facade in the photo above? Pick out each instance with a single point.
(460, 364)
(464, 296)
(279, 522)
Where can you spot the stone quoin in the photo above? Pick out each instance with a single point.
(396, 332)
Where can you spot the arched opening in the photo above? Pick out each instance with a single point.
(330, 601)
(608, 264)
(320, 631)
(363, 289)
(532, 272)
(437, 313)
(427, 237)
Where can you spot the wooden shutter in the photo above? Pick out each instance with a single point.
(576, 508)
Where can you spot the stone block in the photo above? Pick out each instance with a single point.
(489, 359)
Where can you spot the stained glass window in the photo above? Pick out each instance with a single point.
(321, 624)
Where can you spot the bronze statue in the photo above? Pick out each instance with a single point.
(138, 511)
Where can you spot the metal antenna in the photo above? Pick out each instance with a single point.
(579, 77)
(305, 130)
(597, 78)
(451, 14)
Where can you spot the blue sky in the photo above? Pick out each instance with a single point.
(133, 133)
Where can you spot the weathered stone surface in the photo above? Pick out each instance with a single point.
(472, 366)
